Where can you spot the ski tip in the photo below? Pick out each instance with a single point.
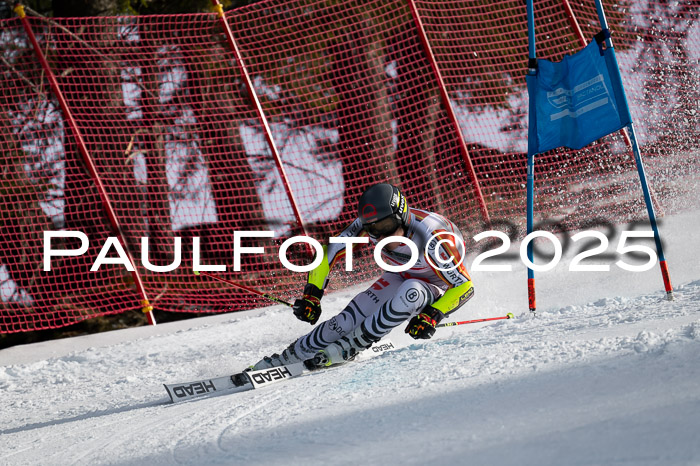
(196, 273)
(169, 394)
(510, 315)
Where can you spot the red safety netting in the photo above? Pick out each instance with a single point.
(350, 98)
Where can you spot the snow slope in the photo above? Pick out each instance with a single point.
(608, 373)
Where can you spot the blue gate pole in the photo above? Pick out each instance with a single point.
(530, 214)
(637, 158)
(532, 144)
(650, 211)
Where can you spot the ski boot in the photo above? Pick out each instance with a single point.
(342, 350)
(288, 356)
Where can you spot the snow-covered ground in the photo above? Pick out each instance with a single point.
(609, 373)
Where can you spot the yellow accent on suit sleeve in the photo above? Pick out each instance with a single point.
(319, 275)
(454, 298)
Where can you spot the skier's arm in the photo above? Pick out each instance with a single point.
(319, 275)
(333, 252)
(453, 273)
(454, 298)
(308, 307)
(423, 325)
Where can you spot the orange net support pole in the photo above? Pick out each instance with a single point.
(450, 111)
(261, 114)
(87, 159)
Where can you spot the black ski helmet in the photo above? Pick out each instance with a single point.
(380, 201)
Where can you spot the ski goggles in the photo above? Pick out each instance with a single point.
(383, 227)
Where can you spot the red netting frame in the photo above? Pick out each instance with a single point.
(351, 99)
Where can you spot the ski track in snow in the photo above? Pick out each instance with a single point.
(605, 374)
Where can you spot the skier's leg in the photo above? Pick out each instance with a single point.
(408, 300)
(350, 318)
(361, 306)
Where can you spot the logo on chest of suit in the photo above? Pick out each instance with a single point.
(398, 255)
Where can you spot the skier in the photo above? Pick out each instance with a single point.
(433, 288)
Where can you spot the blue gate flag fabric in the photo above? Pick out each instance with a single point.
(576, 101)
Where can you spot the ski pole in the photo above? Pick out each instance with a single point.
(244, 287)
(450, 324)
